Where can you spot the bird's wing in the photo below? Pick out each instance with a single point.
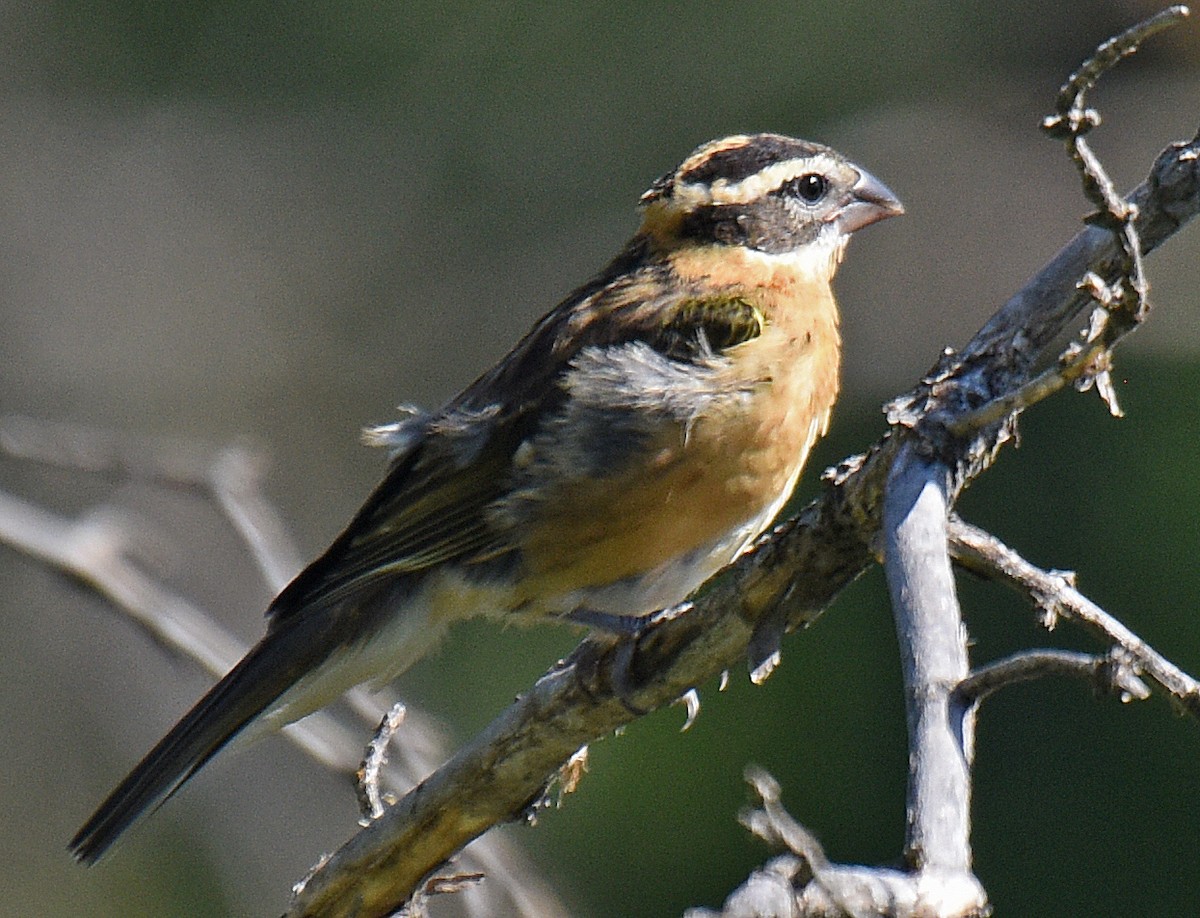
(433, 505)
(430, 508)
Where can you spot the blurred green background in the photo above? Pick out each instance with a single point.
(273, 222)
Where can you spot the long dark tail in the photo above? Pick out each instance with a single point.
(273, 666)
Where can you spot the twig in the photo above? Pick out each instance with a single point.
(1075, 364)
(1088, 363)
(804, 884)
(370, 801)
(1054, 593)
(775, 825)
(442, 885)
(235, 478)
(92, 550)
(1072, 120)
(1111, 674)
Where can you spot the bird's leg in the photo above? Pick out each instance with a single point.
(608, 622)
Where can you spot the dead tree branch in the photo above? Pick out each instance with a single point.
(804, 883)
(1054, 595)
(933, 657)
(1111, 674)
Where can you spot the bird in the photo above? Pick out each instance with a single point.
(639, 437)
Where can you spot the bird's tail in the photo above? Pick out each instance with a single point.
(256, 684)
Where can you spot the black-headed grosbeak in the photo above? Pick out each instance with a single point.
(642, 434)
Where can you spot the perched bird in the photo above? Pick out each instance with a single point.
(634, 442)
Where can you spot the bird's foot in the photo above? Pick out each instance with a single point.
(626, 628)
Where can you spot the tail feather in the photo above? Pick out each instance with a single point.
(272, 667)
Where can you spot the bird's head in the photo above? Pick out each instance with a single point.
(790, 200)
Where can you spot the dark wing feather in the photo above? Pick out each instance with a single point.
(429, 509)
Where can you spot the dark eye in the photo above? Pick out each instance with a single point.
(811, 188)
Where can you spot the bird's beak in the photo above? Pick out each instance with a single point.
(870, 201)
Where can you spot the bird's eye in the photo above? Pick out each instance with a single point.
(811, 187)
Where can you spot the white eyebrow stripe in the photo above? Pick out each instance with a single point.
(756, 186)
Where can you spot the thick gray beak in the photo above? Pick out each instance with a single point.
(870, 201)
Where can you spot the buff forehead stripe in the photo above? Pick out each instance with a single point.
(757, 185)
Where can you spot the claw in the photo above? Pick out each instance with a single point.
(691, 701)
(764, 650)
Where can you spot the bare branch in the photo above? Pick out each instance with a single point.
(933, 657)
(1070, 123)
(92, 549)
(1111, 674)
(774, 825)
(235, 478)
(804, 884)
(1055, 594)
